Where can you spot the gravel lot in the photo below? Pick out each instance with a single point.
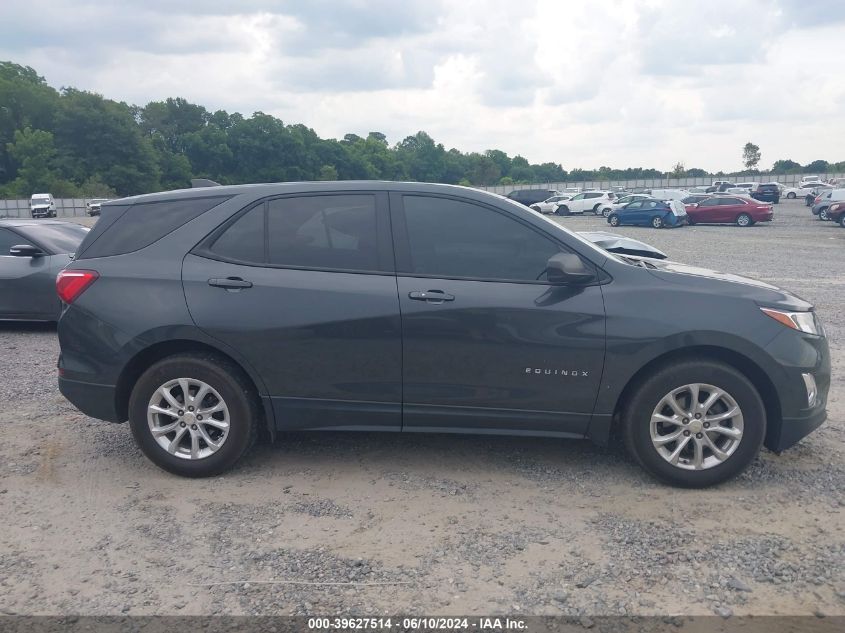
(427, 524)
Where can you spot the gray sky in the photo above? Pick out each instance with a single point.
(605, 82)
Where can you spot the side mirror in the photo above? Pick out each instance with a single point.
(26, 250)
(567, 268)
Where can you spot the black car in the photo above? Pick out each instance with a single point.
(532, 196)
(203, 315)
(32, 252)
(768, 192)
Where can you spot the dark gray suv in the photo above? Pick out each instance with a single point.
(203, 316)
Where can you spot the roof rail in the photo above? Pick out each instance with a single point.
(203, 182)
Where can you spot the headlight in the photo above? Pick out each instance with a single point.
(801, 321)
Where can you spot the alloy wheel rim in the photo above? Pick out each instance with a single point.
(696, 426)
(188, 418)
(743, 220)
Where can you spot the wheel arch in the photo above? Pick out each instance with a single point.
(745, 365)
(162, 349)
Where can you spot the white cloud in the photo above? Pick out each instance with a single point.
(610, 82)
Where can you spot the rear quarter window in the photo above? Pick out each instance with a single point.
(127, 228)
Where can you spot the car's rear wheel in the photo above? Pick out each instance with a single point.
(790, 195)
(606, 211)
(194, 414)
(657, 222)
(842, 220)
(695, 423)
(823, 214)
(743, 219)
(613, 220)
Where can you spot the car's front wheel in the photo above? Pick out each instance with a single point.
(562, 210)
(695, 423)
(823, 214)
(194, 414)
(842, 220)
(613, 220)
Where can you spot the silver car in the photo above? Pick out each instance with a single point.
(32, 252)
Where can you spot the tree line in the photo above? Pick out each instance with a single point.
(74, 143)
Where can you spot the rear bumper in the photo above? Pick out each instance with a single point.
(95, 401)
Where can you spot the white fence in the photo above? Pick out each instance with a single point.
(70, 207)
(65, 207)
(660, 183)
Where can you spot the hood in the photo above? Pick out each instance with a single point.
(727, 283)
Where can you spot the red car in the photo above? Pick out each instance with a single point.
(727, 209)
(836, 212)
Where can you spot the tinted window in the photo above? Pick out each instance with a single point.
(634, 205)
(334, 232)
(730, 201)
(592, 195)
(243, 241)
(57, 238)
(8, 239)
(449, 238)
(141, 224)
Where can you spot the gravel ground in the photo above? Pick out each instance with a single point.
(384, 524)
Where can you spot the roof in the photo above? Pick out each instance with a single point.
(268, 189)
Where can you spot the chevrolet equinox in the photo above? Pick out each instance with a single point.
(202, 316)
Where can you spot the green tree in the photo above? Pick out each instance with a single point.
(34, 155)
(786, 166)
(328, 172)
(750, 155)
(818, 166)
(679, 170)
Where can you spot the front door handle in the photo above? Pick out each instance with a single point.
(431, 296)
(230, 283)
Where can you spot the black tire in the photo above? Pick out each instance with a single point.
(657, 222)
(562, 210)
(743, 219)
(637, 417)
(613, 220)
(606, 211)
(597, 209)
(790, 195)
(823, 214)
(842, 220)
(234, 388)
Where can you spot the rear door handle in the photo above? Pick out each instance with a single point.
(431, 296)
(230, 283)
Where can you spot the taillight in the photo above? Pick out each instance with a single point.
(72, 283)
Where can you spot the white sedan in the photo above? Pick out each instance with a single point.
(549, 205)
(802, 190)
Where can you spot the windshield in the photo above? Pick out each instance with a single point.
(40, 198)
(59, 238)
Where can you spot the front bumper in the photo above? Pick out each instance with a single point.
(793, 430)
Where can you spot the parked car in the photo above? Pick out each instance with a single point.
(586, 201)
(694, 190)
(92, 207)
(42, 205)
(650, 212)
(31, 255)
(744, 188)
(618, 203)
(836, 182)
(204, 315)
(719, 186)
(836, 212)
(767, 192)
(803, 190)
(669, 194)
(730, 209)
(622, 245)
(571, 191)
(806, 179)
(532, 196)
(550, 205)
(822, 202)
